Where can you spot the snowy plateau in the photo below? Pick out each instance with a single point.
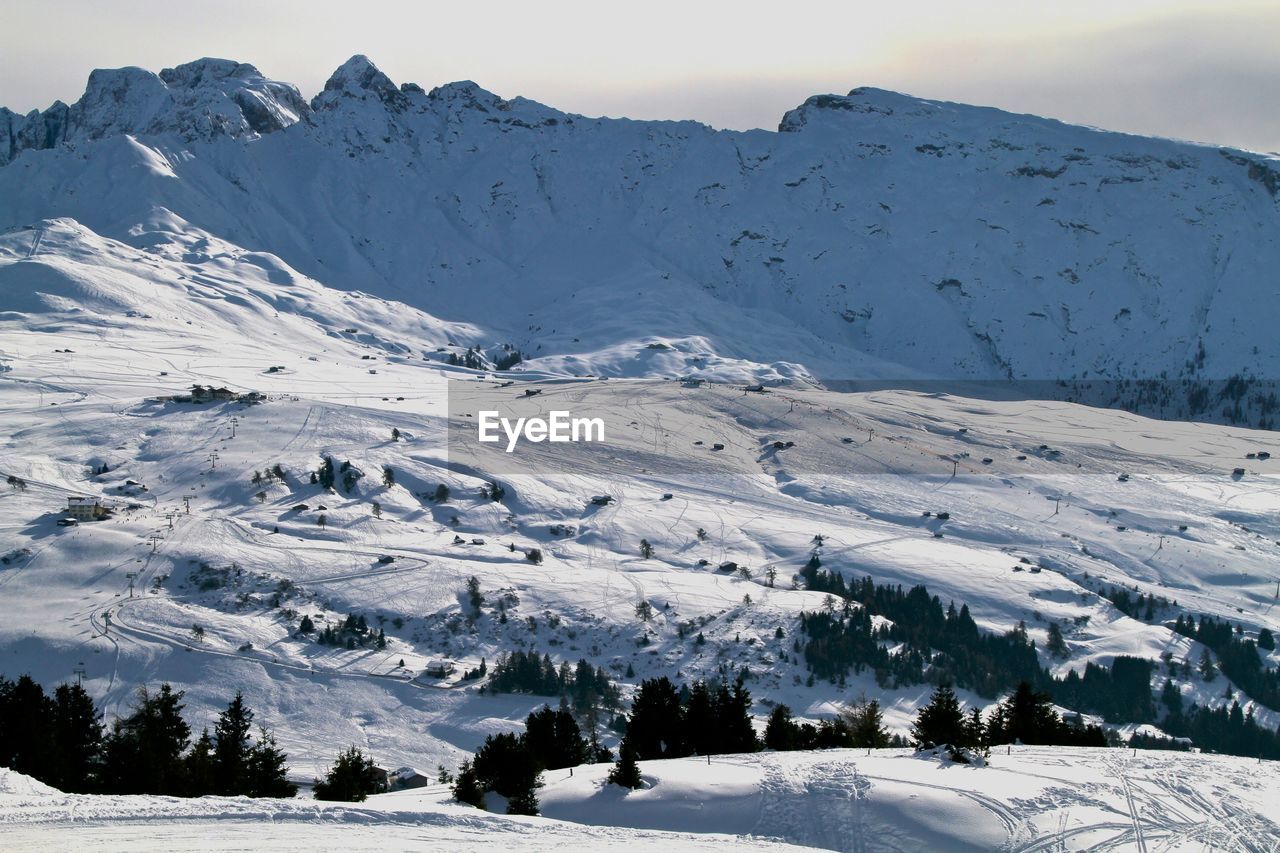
(379, 264)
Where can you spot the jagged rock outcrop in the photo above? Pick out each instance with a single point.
(197, 100)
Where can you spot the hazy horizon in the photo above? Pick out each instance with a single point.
(1177, 68)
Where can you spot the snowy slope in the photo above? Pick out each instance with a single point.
(336, 255)
(94, 330)
(1035, 798)
(876, 235)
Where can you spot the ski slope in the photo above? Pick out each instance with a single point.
(1034, 798)
(147, 252)
(96, 344)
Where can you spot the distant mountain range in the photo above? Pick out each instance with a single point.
(874, 236)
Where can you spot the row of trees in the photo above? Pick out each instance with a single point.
(1238, 656)
(583, 685)
(60, 740)
(705, 719)
(940, 645)
(1227, 729)
(1027, 716)
(353, 633)
(511, 765)
(860, 726)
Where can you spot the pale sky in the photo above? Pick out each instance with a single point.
(1205, 71)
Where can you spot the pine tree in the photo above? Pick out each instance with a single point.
(351, 779)
(395, 433)
(505, 765)
(1208, 671)
(143, 753)
(554, 739)
(77, 735)
(466, 787)
(306, 626)
(326, 476)
(388, 476)
(266, 771)
(474, 596)
(974, 729)
(231, 748)
(941, 721)
(200, 767)
(646, 550)
(1056, 645)
(865, 721)
(25, 735)
(626, 773)
(655, 729)
(780, 732)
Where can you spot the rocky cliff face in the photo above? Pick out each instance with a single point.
(198, 100)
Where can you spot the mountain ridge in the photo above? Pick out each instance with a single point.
(876, 236)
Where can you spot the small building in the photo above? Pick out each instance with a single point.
(223, 394)
(85, 509)
(439, 668)
(407, 777)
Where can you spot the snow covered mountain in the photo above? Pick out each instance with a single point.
(366, 260)
(875, 236)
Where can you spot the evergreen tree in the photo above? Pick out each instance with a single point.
(351, 779)
(865, 722)
(143, 753)
(266, 771)
(941, 722)
(466, 788)
(733, 710)
(655, 729)
(1206, 666)
(780, 732)
(626, 773)
(701, 732)
(231, 748)
(474, 596)
(325, 475)
(388, 476)
(554, 739)
(200, 767)
(1266, 640)
(77, 737)
(395, 433)
(1025, 717)
(26, 739)
(1056, 645)
(506, 766)
(974, 728)
(646, 550)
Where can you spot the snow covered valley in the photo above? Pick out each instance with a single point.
(267, 429)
